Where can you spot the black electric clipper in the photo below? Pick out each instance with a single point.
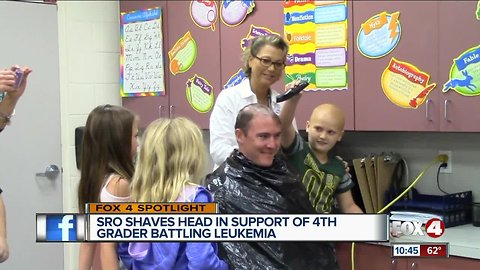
(292, 91)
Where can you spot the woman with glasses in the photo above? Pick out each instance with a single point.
(263, 64)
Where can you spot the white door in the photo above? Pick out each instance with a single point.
(29, 37)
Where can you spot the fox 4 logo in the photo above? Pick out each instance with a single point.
(434, 228)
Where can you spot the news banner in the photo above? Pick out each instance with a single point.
(157, 222)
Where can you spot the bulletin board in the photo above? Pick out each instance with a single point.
(141, 53)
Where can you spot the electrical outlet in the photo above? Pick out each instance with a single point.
(447, 169)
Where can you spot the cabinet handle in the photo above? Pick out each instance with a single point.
(171, 111)
(394, 264)
(160, 110)
(445, 107)
(427, 110)
(414, 266)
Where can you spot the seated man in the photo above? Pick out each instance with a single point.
(254, 180)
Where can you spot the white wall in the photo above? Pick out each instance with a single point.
(419, 148)
(89, 35)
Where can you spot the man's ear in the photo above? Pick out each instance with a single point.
(307, 125)
(239, 135)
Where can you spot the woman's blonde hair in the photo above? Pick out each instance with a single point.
(172, 155)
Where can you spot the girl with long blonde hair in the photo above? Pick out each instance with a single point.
(170, 168)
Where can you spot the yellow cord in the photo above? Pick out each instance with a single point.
(437, 159)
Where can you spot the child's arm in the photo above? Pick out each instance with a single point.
(204, 255)
(3, 233)
(87, 252)
(118, 187)
(108, 256)
(286, 117)
(347, 204)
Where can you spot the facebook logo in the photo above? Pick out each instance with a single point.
(60, 228)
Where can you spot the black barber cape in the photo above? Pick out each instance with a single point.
(240, 187)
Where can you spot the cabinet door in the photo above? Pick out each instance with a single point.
(443, 263)
(149, 108)
(458, 31)
(418, 46)
(206, 64)
(368, 257)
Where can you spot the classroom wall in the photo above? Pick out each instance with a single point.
(89, 76)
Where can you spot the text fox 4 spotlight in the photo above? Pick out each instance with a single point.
(60, 228)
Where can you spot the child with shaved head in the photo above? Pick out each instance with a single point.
(323, 176)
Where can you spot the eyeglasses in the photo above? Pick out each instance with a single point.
(267, 63)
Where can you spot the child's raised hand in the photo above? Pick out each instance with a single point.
(292, 90)
(345, 164)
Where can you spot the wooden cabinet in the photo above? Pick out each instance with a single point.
(434, 33)
(450, 263)
(458, 30)
(373, 257)
(206, 65)
(418, 45)
(177, 22)
(368, 257)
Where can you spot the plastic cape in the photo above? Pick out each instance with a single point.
(241, 187)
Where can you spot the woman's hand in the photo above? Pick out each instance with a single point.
(16, 92)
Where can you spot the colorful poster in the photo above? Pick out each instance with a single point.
(317, 34)
(236, 78)
(379, 35)
(478, 11)
(234, 12)
(141, 53)
(255, 31)
(405, 85)
(200, 94)
(464, 75)
(204, 13)
(183, 54)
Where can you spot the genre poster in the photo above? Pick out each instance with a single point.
(464, 76)
(405, 85)
(317, 34)
(183, 53)
(205, 13)
(379, 35)
(200, 94)
(141, 53)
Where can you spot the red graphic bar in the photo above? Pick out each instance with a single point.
(434, 250)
